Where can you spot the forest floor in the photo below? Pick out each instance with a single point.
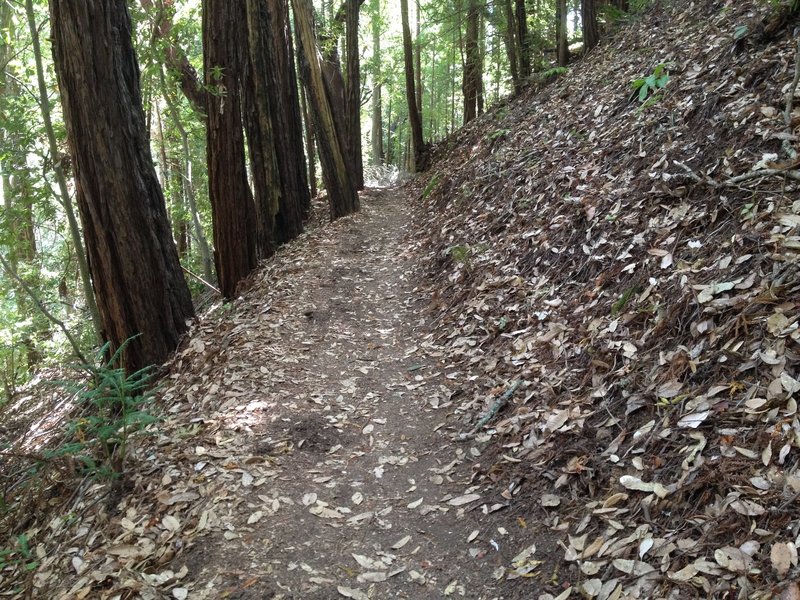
(634, 267)
(339, 478)
(307, 450)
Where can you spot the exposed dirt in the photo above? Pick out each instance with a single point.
(632, 266)
(308, 451)
(353, 436)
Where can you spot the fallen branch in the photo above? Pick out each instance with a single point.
(201, 280)
(735, 181)
(498, 404)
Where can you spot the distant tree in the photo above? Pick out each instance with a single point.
(138, 282)
(589, 24)
(471, 79)
(418, 158)
(175, 58)
(274, 126)
(377, 85)
(342, 194)
(353, 90)
(562, 44)
(523, 39)
(179, 69)
(232, 206)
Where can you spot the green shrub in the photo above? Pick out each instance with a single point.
(116, 407)
(652, 84)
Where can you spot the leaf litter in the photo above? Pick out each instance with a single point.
(629, 273)
(635, 266)
(283, 468)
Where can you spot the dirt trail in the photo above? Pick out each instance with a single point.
(328, 470)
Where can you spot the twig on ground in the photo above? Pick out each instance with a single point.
(498, 404)
(735, 181)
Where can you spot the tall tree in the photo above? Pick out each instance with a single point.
(507, 24)
(175, 58)
(18, 195)
(232, 206)
(470, 83)
(135, 270)
(523, 39)
(562, 44)
(310, 140)
(342, 195)
(61, 179)
(589, 24)
(418, 154)
(188, 185)
(276, 109)
(353, 90)
(377, 85)
(418, 55)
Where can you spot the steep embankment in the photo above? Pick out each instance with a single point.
(636, 267)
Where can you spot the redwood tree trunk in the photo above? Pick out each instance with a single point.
(589, 24)
(353, 91)
(523, 40)
(342, 195)
(414, 118)
(470, 83)
(135, 270)
(377, 83)
(274, 127)
(561, 33)
(510, 41)
(232, 205)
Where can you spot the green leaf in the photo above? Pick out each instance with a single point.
(24, 546)
(740, 32)
(643, 92)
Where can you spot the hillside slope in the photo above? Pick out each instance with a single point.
(635, 266)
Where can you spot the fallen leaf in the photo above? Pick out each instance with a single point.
(415, 503)
(781, 558)
(352, 593)
(401, 542)
(465, 499)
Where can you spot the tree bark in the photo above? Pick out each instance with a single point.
(469, 83)
(61, 179)
(257, 111)
(232, 204)
(562, 44)
(523, 40)
(510, 42)
(589, 24)
(279, 165)
(417, 154)
(377, 84)
(310, 139)
(342, 195)
(138, 282)
(353, 91)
